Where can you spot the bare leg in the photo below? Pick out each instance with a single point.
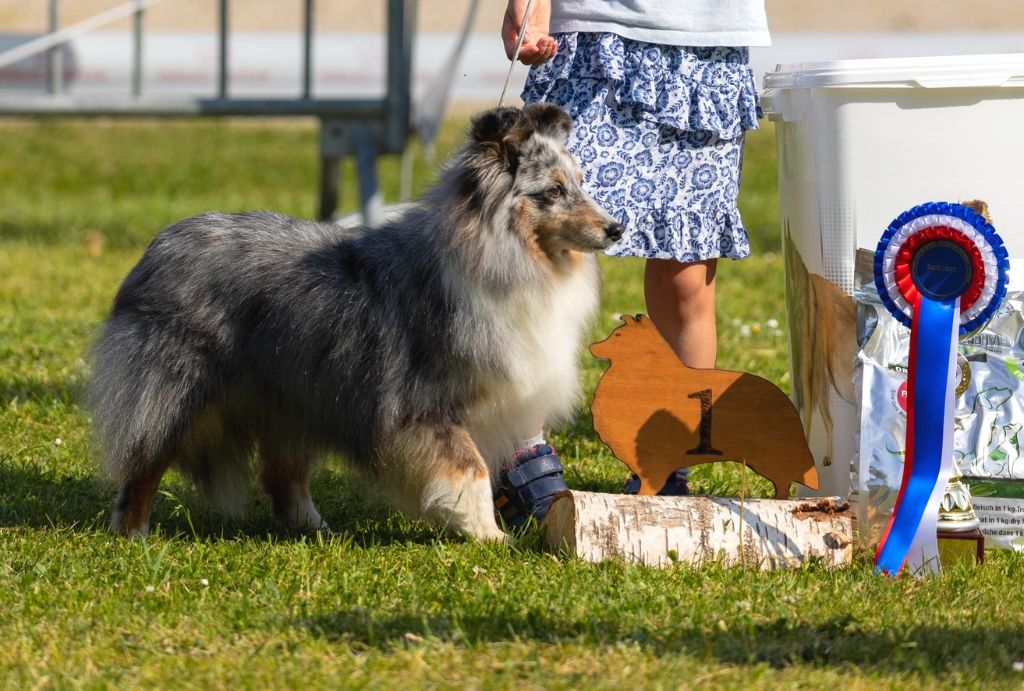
(681, 303)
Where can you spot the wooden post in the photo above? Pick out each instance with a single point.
(658, 531)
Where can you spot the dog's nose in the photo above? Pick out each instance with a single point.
(613, 230)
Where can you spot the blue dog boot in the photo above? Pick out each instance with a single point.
(529, 487)
(677, 484)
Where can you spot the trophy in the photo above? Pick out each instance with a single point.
(956, 513)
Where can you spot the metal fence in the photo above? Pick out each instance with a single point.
(362, 127)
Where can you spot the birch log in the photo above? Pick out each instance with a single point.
(657, 531)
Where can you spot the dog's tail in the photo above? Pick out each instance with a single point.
(150, 401)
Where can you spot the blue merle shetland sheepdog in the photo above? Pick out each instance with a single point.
(421, 351)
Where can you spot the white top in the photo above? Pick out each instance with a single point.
(669, 22)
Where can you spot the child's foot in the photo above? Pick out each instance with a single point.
(528, 488)
(677, 484)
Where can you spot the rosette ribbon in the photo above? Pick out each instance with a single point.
(942, 270)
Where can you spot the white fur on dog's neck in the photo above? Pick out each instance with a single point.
(539, 333)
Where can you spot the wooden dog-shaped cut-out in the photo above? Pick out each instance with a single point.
(657, 415)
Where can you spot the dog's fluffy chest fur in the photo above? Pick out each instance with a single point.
(538, 333)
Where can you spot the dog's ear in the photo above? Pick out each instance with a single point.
(491, 129)
(505, 129)
(491, 126)
(547, 119)
(537, 118)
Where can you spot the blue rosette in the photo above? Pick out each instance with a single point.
(942, 270)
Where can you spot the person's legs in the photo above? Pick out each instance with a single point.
(681, 303)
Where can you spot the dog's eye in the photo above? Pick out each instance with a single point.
(555, 191)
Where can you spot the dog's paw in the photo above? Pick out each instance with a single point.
(304, 517)
(322, 528)
(495, 536)
(133, 530)
(312, 527)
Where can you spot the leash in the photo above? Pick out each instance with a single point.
(515, 54)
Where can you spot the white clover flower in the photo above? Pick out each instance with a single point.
(203, 582)
(58, 441)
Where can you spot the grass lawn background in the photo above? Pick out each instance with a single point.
(386, 601)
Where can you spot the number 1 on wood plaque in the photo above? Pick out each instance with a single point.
(704, 446)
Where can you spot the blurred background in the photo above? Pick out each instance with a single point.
(179, 51)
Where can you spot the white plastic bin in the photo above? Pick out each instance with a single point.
(860, 141)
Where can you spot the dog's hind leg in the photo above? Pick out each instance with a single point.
(130, 515)
(445, 473)
(285, 477)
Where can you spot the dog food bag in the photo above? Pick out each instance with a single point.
(989, 416)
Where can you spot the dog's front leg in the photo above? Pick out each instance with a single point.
(449, 479)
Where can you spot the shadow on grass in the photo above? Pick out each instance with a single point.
(984, 650)
(37, 497)
(32, 389)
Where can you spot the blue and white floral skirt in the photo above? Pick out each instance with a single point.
(658, 131)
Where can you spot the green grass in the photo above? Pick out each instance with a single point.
(386, 602)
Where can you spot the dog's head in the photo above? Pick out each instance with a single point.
(547, 204)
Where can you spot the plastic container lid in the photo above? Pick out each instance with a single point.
(945, 72)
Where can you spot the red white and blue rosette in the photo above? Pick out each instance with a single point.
(942, 270)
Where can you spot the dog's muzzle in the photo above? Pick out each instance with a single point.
(613, 231)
